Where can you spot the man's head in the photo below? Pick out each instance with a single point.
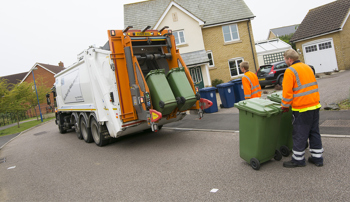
(290, 56)
(244, 66)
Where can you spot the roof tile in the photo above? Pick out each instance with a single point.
(322, 20)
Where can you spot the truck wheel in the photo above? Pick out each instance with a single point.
(85, 132)
(99, 138)
(60, 126)
(76, 128)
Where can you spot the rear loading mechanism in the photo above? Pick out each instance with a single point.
(151, 81)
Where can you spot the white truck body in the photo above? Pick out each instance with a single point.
(87, 86)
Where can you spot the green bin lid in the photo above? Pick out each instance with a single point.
(157, 71)
(177, 69)
(276, 97)
(259, 106)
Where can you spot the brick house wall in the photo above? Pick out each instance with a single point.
(341, 42)
(214, 41)
(49, 80)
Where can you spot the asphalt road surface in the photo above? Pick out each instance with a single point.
(44, 165)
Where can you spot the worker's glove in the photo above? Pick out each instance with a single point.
(285, 109)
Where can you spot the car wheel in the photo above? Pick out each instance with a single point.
(280, 80)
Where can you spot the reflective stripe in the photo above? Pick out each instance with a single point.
(298, 158)
(247, 95)
(257, 86)
(286, 99)
(306, 93)
(316, 150)
(305, 86)
(298, 153)
(296, 75)
(251, 84)
(285, 105)
(316, 155)
(256, 92)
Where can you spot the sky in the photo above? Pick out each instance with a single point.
(48, 31)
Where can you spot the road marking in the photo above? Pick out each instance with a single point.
(214, 190)
(9, 168)
(196, 129)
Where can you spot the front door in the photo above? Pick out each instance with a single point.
(196, 74)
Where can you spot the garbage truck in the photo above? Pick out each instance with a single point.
(137, 81)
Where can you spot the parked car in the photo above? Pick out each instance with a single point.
(272, 74)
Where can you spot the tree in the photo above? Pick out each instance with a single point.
(42, 91)
(3, 92)
(286, 38)
(16, 100)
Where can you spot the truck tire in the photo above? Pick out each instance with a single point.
(76, 127)
(85, 131)
(60, 125)
(98, 136)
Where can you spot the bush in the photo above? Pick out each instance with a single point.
(216, 82)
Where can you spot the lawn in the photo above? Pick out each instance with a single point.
(22, 127)
(345, 105)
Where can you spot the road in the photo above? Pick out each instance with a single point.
(165, 166)
(171, 165)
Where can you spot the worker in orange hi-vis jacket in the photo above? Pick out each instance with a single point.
(300, 92)
(250, 82)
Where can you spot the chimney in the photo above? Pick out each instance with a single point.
(60, 64)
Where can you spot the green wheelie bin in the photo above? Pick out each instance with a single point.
(259, 121)
(162, 97)
(285, 138)
(181, 88)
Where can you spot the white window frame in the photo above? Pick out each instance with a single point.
(212, 58)
(177, 33)
(223, 34)
(235, 59)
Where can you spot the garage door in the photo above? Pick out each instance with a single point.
(321, 55)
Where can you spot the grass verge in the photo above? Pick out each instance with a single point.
(22, 127)
(344, 105)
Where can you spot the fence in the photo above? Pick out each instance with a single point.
(9, 118)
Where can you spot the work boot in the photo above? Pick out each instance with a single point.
(311, 160)
(292, 164)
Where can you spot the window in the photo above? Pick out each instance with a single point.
(325, 45)
(179, 37)
(281, 66)
(211, 59)
(311, 48)
(234, 66)
(230, 32)
(274, 57)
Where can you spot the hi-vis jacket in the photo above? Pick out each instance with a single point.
(251, 85)
(300, 89)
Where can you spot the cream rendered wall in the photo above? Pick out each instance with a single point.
(192, 30)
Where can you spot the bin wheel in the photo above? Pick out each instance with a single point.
(254, 163)
(284, 151)
(278, 155)
(221, 106)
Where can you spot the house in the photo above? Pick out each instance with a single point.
(323, 37)
(47, 72)
(212, 40)
(282, 31)
(270, 51)
(40, 70)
